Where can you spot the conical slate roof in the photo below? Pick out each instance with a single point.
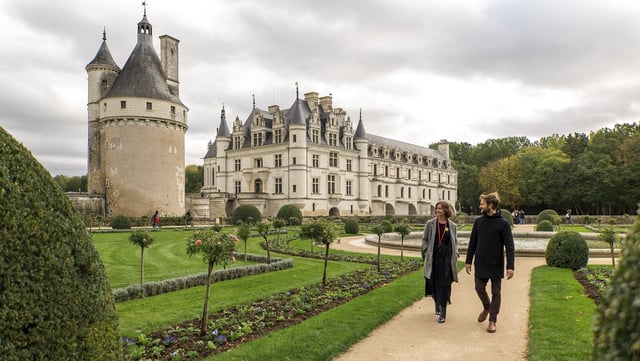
(298, 113)
(360, 132)
(223, 130)
(103, 56)
(142, 74)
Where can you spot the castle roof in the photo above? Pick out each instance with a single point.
(223, 130)
(103, 56)
(298, 113)
(360, 132)
(378, 141)
(142, 74)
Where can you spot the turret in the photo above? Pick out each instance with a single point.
(361, 144)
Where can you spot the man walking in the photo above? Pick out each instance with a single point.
(490, 236)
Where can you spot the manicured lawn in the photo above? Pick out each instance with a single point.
(560, 316)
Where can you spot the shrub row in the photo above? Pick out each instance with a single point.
(175, 284)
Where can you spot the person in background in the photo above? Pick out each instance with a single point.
(490, 237)
(155, 220)
(440, 255)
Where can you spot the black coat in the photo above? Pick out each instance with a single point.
(490, 237)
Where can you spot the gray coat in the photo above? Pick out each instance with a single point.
(428, 240)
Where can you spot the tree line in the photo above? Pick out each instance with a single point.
(595, 173)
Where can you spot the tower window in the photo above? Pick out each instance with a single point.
(104, 83)
(149, 106)
(123, 104)
(173, 109)
(104, 107)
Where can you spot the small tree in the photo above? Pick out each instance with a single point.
(378, 230)
(215, 248)
(244, 231)
(278, 223)
(322, 233)
(143, 240)
(263, 229)
(608, 234)
(404, 229)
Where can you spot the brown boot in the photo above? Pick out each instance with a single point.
(483, 315)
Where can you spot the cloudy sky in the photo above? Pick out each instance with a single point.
(420, 70)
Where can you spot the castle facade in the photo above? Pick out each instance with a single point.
(137, 126)
(312, 156)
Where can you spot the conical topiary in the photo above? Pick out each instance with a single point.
(55, 298)
(617, 324)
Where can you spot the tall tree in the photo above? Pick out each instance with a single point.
(193, 178)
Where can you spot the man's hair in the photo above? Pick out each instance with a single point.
(491, 199)
(447, 209)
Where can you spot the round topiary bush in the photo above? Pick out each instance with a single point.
(246, 213)
(507, 215)
(567, 249)
(549, 215)
(120, 222)
(351, 226)
(55, 298)
(544, 226)
(386, 226)
(617, 319)
(290, 213)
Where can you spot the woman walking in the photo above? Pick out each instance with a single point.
(440, 255)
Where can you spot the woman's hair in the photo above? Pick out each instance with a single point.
(492, 199)
(447, 209)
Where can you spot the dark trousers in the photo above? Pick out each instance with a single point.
(493, 305)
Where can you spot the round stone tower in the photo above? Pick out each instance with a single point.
(137, 126)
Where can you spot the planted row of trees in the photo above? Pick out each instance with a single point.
(593, 173)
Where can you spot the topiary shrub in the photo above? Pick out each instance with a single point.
(617, 319)
(55, 298)
(351, 226)
(120, 222)
(507, 215)
(387, 227)
(567, 249)
(549, 215)
(544, 226)
(289, 212)
(246, 213)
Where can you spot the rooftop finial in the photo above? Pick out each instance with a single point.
(360, 113)
(254, 101)
(104, 33)
(297, 93)
(144, 5)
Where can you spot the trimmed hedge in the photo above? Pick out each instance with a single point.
(567, 249)
(175, 284)
(351, 226)
(549, 215)
(290, 214)
(55, 298)
(246, 213)
(120, 222)
(544, 226)
(617, 321)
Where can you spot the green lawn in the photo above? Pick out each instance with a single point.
(560, 316)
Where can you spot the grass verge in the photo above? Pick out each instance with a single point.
(560, 316)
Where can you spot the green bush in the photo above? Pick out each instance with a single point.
(120, 222)
(617, 319)
(351, 226)
(55, 298)
(567, 249)
(289, 211)
(544, 226)
(387, 227)
(246, 213)
(507, 215)
(549, 215)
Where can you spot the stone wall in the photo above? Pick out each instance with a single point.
(91, 205)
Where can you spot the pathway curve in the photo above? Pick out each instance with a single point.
(414, 334)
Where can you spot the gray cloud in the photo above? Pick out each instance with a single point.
(420, 71)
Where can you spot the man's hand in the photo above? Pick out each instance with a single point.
(467, 267)
(509, 274)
